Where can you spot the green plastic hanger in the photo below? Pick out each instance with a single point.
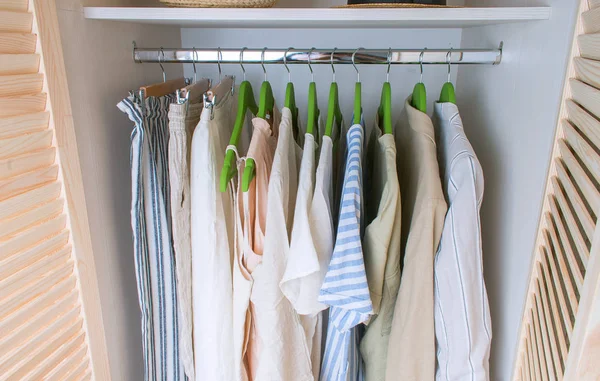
(334, 114)
(385, 105)
(357, 92)
(448, 94)
(246, 102)
(266, 103)
(419, 95)
(312, 123)
(290, 98)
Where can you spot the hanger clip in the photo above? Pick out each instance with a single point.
(209, 103)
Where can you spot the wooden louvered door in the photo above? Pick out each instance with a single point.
(560, 332)
(50, 321)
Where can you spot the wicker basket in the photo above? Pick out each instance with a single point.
(220, 3)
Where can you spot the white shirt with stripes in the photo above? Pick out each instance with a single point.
(462, 316)
(345, 286)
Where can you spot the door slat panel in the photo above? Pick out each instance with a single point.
(16, 165)
(589, 48)
(15, 22)
(14, 5)
(20, 105)
(12, 226)
(11, 64)
(32, 237)
(27, 181)
(21, 84)
(21, 145)
(25, 201)
(550, 316)
(17, 43)
(544, 331)
(68, 366)
(591, 21)
(586, 95)
(22, 124)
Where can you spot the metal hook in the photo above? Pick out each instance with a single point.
(241, 61)
(194, 58)
(312, 74)
(286, 66)
(262, 62)
(448, 59)
(219, 58)
(421, 63)
(332, 67)
(162, 53)
(389, 62)
(354, 64)
(133, 51)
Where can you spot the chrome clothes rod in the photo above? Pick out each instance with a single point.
(293, 56)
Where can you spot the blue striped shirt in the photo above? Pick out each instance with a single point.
(345, 286)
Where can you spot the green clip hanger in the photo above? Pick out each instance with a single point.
(448, 95)
(312, 125)
(334, 114)
(385, 105)
(419, 95)
(266, 103)
(357, 92)
(290, 98)
(245, 102)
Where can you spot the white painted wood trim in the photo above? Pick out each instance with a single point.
(320, 17)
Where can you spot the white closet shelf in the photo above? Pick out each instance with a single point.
(320, 17)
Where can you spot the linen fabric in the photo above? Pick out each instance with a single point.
(345, 286)
(462, 316)
(183, 118)
(213, 243)
(381, 246)
(411, 351)
(151, 226)
(252, 209)
(284, 353)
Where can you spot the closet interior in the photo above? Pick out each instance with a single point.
(506, 59)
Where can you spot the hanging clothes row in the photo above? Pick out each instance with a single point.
(269, 251)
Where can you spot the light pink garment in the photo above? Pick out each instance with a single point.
(253, 212)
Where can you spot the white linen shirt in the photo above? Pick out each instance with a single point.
(284, 354)
(462, 316)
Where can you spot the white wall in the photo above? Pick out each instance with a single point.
(510, 114)
(100, 72)
(402, 78)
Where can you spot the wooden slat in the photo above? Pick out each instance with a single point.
(544, 334)
(20, 146)
(28, 200)
(556, 304)
(17, 262)
(532, 367)
(17, 43)
(589, 47)
(27, 162)
(43, 304)
(587, 186)
(23, 124)
(24, 104)
(68, 366)
(565, 290)
(27, 181)
(549, 316)
(34, 291)
(594, 3)
(572, 194)
(12, 226)
(537, 366)
(591, 21)
(21, 84)
(16, 22)
(32, 237)
(32, 325)
(87, 376)
(14, 5)
(586, 123)
(539, 345)
(14, 284)
(11, 64)
(80, 373)
(570, 252)
(27, 357)
(64, 351)
(586, 95)
(558, 203)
